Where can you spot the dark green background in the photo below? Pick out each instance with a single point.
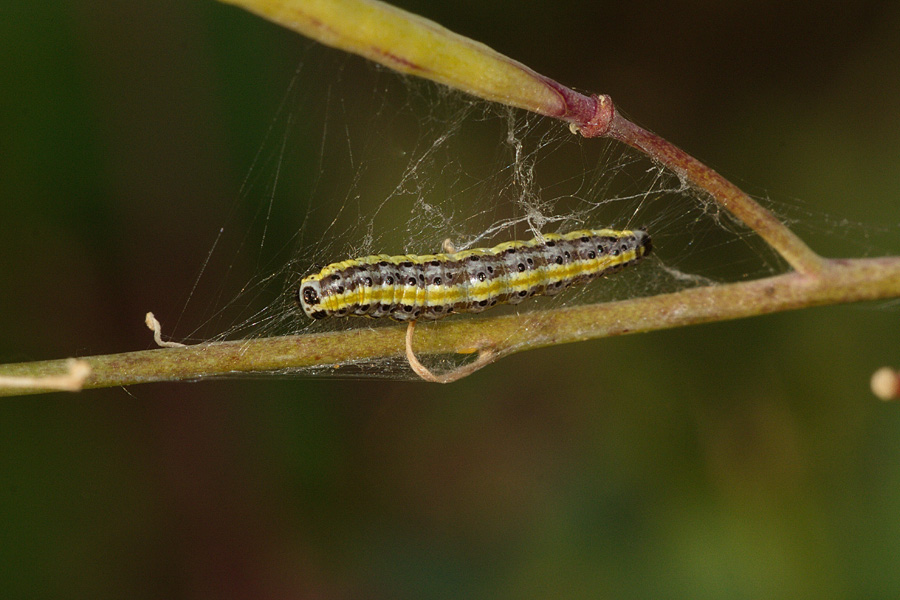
(736, 460)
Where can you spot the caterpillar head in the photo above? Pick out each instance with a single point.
(309, 297)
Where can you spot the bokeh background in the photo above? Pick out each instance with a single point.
(735, 460)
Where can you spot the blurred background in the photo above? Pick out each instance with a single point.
(737, 460)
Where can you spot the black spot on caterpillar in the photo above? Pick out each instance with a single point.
(410, 287)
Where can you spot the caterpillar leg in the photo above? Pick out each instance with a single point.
(485, 357)
(448, 246)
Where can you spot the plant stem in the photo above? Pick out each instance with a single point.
(411, 44)
(729, 196)
(840, 281)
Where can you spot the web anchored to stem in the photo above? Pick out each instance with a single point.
(416, 46)
(410, 44)
(841, 281)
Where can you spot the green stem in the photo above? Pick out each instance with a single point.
(729, 196)
(839, 281)
(411, 44)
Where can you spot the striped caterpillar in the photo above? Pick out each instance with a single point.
(411, 287)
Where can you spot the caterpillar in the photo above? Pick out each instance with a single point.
(432, 286)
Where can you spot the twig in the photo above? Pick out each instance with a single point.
(729, 196)
(411, 44)
(840, 281)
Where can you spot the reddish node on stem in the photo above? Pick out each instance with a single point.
(598, 123)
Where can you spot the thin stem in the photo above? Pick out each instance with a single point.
(728, 195)
(840, 281)
(411, 44)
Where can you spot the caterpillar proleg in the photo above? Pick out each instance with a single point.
(432, 286)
